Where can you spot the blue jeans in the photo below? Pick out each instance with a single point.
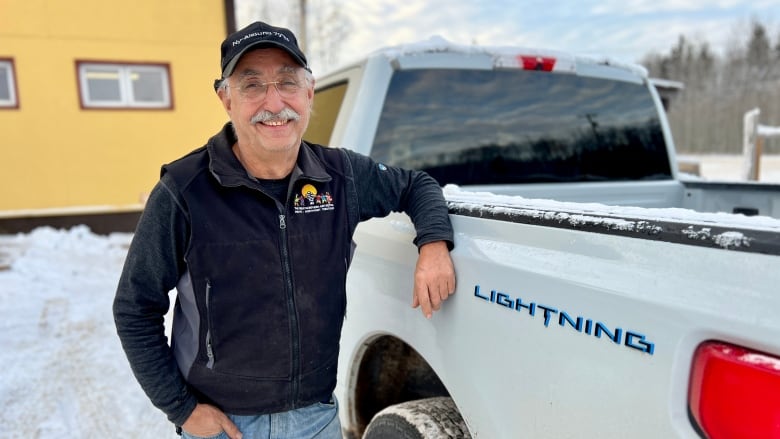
(317, 421)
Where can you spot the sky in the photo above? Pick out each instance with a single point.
(623, 29)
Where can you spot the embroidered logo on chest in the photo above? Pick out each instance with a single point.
(309, 200)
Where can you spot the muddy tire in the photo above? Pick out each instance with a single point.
(431, 418)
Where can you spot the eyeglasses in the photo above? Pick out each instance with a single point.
(252, 89)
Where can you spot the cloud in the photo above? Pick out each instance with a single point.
(634, 7)
(626, 29)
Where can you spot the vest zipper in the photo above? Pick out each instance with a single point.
(209, 347)
(291, 310)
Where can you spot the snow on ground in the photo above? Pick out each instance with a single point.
(729, 167)
(64, 373)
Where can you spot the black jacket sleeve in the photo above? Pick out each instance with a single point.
(383, 189)
(154, 263)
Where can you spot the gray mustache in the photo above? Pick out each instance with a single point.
(267, 116)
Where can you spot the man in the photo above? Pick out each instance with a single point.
(259, 265)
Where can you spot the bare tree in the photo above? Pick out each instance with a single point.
(707, 116)
(321, 26)
(329, 27)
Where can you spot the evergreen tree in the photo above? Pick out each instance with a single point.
(758, 52)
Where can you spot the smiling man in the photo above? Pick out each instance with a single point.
(232, 227)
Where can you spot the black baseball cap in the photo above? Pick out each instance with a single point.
(255, 36)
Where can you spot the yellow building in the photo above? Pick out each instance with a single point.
(95, 95)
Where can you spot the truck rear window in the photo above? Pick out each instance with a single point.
(471, 127)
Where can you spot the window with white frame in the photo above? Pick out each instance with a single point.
(111, 85)
(8, 97)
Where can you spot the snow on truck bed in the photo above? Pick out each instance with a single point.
(724, 230)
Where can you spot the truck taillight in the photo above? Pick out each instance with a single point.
(543, 63)
(735, 392)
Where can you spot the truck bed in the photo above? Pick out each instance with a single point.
(744, 198)
(571, 320)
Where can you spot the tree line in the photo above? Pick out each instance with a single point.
(707, 115)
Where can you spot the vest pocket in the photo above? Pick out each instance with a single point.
(246, 334)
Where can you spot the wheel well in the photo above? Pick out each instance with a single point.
(392, 372)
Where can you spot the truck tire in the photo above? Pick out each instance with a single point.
(431, 418)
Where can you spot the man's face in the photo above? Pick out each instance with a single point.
(264, 115)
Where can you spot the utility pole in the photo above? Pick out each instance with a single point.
(302, 22)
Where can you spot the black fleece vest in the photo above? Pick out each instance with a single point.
(269, 282)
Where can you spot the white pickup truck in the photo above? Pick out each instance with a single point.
(599, 295)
